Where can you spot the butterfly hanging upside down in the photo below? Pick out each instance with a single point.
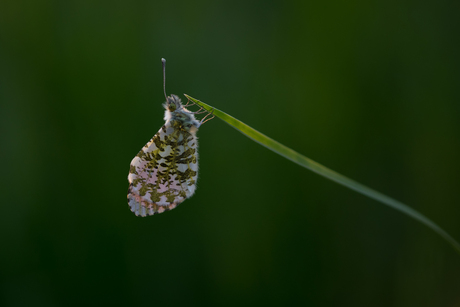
(164, 172)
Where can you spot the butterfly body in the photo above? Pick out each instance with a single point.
(164, 173)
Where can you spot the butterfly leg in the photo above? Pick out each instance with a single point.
(210, 113)
(200, 111)
(189, 103)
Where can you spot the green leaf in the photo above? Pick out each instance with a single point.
(325, 172)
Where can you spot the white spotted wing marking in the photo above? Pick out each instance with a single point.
(165, 171)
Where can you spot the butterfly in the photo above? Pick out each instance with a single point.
(164, 173)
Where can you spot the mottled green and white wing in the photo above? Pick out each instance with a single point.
(164, 172)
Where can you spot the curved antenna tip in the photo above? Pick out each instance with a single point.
(163, 60)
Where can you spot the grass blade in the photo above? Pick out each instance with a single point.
(326, 172)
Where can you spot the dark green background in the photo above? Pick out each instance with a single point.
(370, 89)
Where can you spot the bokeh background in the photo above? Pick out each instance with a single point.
(367, 88)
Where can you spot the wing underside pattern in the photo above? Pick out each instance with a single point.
(164, 172)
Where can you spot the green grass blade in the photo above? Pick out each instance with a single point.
(326, 172)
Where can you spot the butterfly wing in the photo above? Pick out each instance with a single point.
(164, 172)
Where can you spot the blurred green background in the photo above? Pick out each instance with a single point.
(367, 88)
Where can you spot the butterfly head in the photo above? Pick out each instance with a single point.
(175, 111)
(173, 103)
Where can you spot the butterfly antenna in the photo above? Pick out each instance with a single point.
(164, 77)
